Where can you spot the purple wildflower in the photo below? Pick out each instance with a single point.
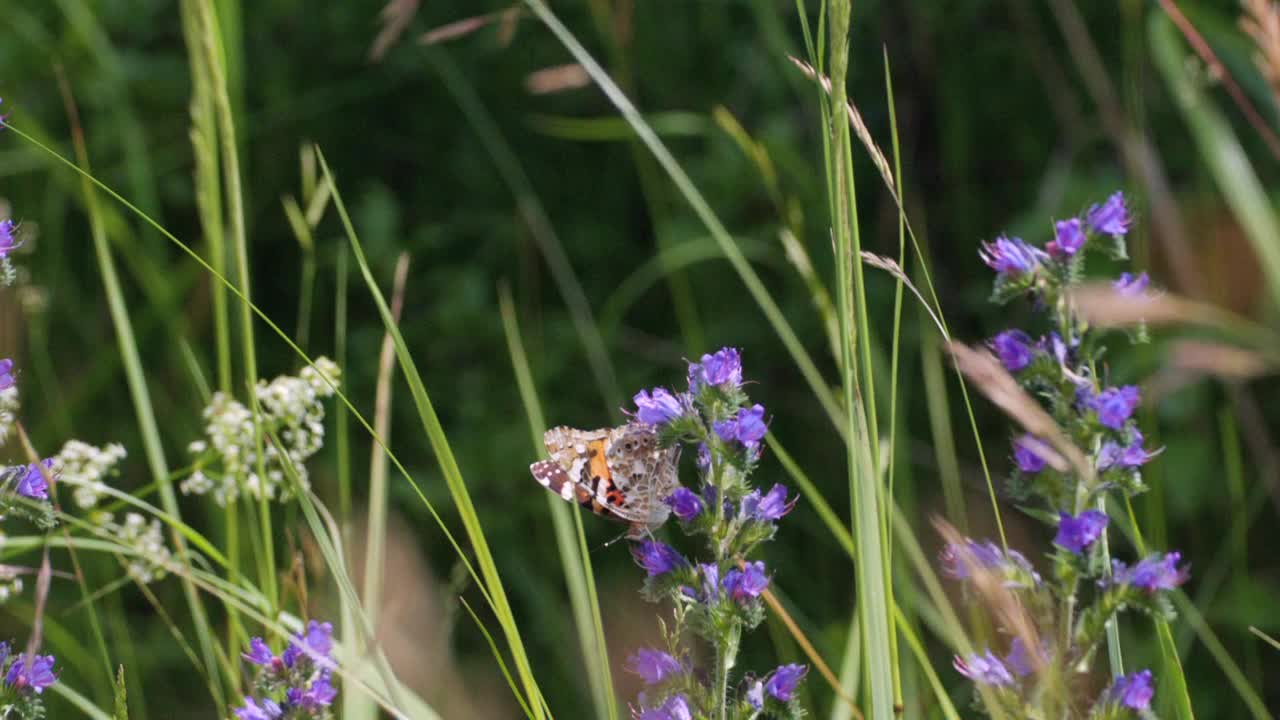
(1068, 238)
(8, 237)
(1130, 284)
(316, 642)
(1019, 661)
(747, 584)
(268, 710)
(958, 562)
(1014, 349)
(33, 484)
(259, 653)
(1027, 454)
(684, 503)
(704, 458)
(1157, 572)
(747, 427)
(1053, 345)
(657, 558)
(1130, 456)
(319, 695)
(1134, 690)
(772, 506)
(783, 682)
(724, 368)
(984, 668)
(710, 581)
(658, 407)
(1077, 533)
(39, 677)
(1011, 256)
(675, 708)
(653, 666)
(755, 695)
(6, 374)
(1115, 405)
(1110, 218)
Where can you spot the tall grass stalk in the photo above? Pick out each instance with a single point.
(148, 426)
(449, 468)
(375, 540)
(575, 559)
(874, 589)
(215, 62)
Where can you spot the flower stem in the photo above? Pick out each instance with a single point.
(726, 656)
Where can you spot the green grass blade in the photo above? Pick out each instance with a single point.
(448, 464)
(575, 559)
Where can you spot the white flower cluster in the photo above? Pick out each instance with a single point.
(290, 408)
(10, 582)
(8, 412)
(84, 467)
(153, 558)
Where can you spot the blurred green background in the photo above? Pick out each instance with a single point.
(1010, 114)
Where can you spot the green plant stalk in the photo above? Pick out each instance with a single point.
(575, 560)
(142, 405)
(376, 530)
(726, 657)
(861, 442)
(214, 53)
(448, 466)
(885, 532)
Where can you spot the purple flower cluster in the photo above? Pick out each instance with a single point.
(1068, 238)
(723, 369)
(654, 666)
(25, 679)
(769, 507)
(1133, 455)
(1011, 257)
(657, 558)
(8, 237)
(675, 707)
(961, 560)
(6, 374)
(1133, 691)
(746, 584)
(33, 483)
(1099, 420)
(721, 596)
(1014, 349)
(1154, 573)
(747, 428)
(303, 670)
(659, 407)
(1028, 453)
(781, 685)
(1114, 406)
(1109, 218)
(1078, 533)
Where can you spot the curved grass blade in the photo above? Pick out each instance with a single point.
(446, 460)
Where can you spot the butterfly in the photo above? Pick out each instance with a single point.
(620, 473)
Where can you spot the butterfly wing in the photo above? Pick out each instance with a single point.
(577, 468)
(642, 475)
